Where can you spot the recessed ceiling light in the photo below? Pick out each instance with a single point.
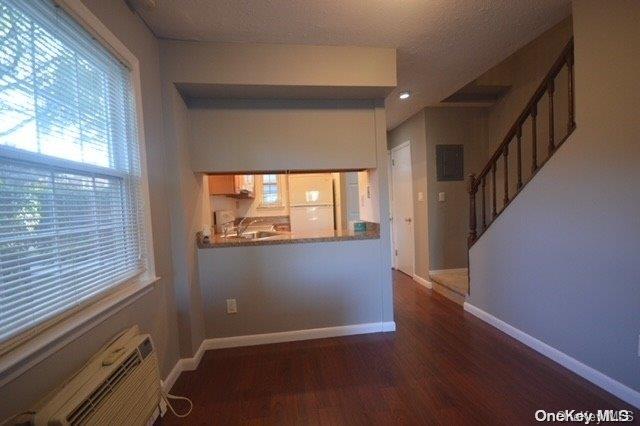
(404, 95)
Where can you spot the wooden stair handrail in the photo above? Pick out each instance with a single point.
(547, 86)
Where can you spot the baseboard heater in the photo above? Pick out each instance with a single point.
(119, 385)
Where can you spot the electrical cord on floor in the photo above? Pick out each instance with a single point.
(167, 396)
(24, 418)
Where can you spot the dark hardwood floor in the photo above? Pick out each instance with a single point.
(441, 366)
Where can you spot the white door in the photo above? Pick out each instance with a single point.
(402, 208)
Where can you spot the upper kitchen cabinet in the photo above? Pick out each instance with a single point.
(240, 186)
(282, 135)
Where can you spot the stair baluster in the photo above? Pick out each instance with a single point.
(571, 124)
(534, 139)
(505, 154)
(472, 211)
(519, 145)
(550, 91)
(494, 212)
(484, 216)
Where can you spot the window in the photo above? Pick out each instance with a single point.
(71, 211)
(271, 191)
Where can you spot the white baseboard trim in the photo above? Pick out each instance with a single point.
(422, 281)
(454, 270)
(599, 379)
(388, 326)
(171, 378)
(292, 336)
(183, 364)
(189, 364)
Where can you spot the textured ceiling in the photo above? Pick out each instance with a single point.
(442, 44)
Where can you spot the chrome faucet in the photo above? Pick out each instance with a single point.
(225, 229)
(240, 229)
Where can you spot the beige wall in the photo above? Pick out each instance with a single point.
(441, 227)
(244, 135)
(287, 134)
(523, 71)
(381, 179)
(154, 312)
(561, 264)
(187, 201)
(278, 64)
(291, 287)
(304, 286)
(413, 130)
(449, 220)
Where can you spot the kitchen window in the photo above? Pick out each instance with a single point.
(72, 193)
(271, 193)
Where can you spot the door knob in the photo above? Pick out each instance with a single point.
(407, 219)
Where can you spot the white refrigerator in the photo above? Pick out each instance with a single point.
(311, 202)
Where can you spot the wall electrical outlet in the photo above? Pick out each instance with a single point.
(232, 306)
(441, 196)
(420, 196)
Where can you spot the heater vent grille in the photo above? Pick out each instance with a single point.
(87, 407)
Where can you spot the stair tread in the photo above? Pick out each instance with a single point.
(457, 281)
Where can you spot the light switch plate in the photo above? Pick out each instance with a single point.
(232, 306)
(420, 196)
(441, 196)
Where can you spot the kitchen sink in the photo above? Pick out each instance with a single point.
(254, 235)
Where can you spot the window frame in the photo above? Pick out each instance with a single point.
(28, 348)
(279, 204)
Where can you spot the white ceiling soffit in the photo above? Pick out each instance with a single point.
(442, 44)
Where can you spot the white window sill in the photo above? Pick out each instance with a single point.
(34, 350)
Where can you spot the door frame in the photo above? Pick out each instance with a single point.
(392, 209)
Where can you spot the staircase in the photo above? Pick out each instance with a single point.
(505, 174)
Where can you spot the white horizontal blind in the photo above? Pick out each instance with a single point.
(70, 204)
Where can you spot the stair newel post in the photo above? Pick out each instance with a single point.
(494, 211)
(472, 210)
(484, 216)
(571, 123)
(505, 155)
(519, 155)
(534, 138)
(550, 90)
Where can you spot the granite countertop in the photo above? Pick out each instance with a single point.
(286, 237)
